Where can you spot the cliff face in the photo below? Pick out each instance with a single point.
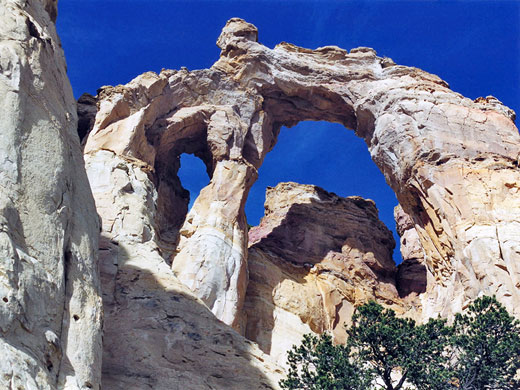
(312, 260)
(153, 120)
(412, 275)
(157, 334)
(50, 305)
(451, 162)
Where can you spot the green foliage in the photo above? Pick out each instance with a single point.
(397, 350)
(479, 352)
(487, 347)
(429, 365)
(382, 340)
(317, 364)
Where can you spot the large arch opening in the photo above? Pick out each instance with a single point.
(309, 285)
(331, 157)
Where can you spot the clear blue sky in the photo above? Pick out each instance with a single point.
(473, 45)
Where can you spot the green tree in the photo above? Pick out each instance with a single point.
(398, 351)
(487, 347)
(428, 364)
(318, 364)
(481, 351)
(382, 340)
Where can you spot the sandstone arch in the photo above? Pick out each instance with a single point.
(452, 162)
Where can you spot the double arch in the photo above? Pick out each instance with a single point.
(448, 159)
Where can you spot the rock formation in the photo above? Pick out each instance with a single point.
(452, 162)
(412, 274)
(312, 260)
(154, 119)
(87, 110)
(50, 304)
(157, 335)
(170, 275)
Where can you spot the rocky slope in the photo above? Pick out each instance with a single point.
(50, 304)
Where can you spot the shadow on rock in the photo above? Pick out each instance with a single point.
(159, 336)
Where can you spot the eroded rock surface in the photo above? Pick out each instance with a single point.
(412, 274)
(87, 110)
(50, 303)
(452, 162)
(154, 119)
(157, 334)
(313, 259)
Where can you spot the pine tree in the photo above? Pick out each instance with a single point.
(487, 346)
(398, 351)
(318, 364)
(481, 351)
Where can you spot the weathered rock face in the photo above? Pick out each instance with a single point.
(302, 223)
(312, 260)
(87, 110)
(50, 304)
(452, 162)
(157, 335)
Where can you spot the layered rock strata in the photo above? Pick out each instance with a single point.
(313, 259)
(154, 119)
(50, 303)
(452, 162)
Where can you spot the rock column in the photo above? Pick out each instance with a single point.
(213, 241)
(50, 304)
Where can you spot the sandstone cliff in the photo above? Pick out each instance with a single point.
(50, 305)
(157, 335)
(412, 275)
(169, 275)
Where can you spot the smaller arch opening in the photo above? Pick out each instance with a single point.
(180, 177)
(193, 176)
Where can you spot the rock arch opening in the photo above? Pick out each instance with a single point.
(181, 179)
(193, 176)
(331, 157)
(315, 256)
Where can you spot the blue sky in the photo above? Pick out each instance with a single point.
(473, 45)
